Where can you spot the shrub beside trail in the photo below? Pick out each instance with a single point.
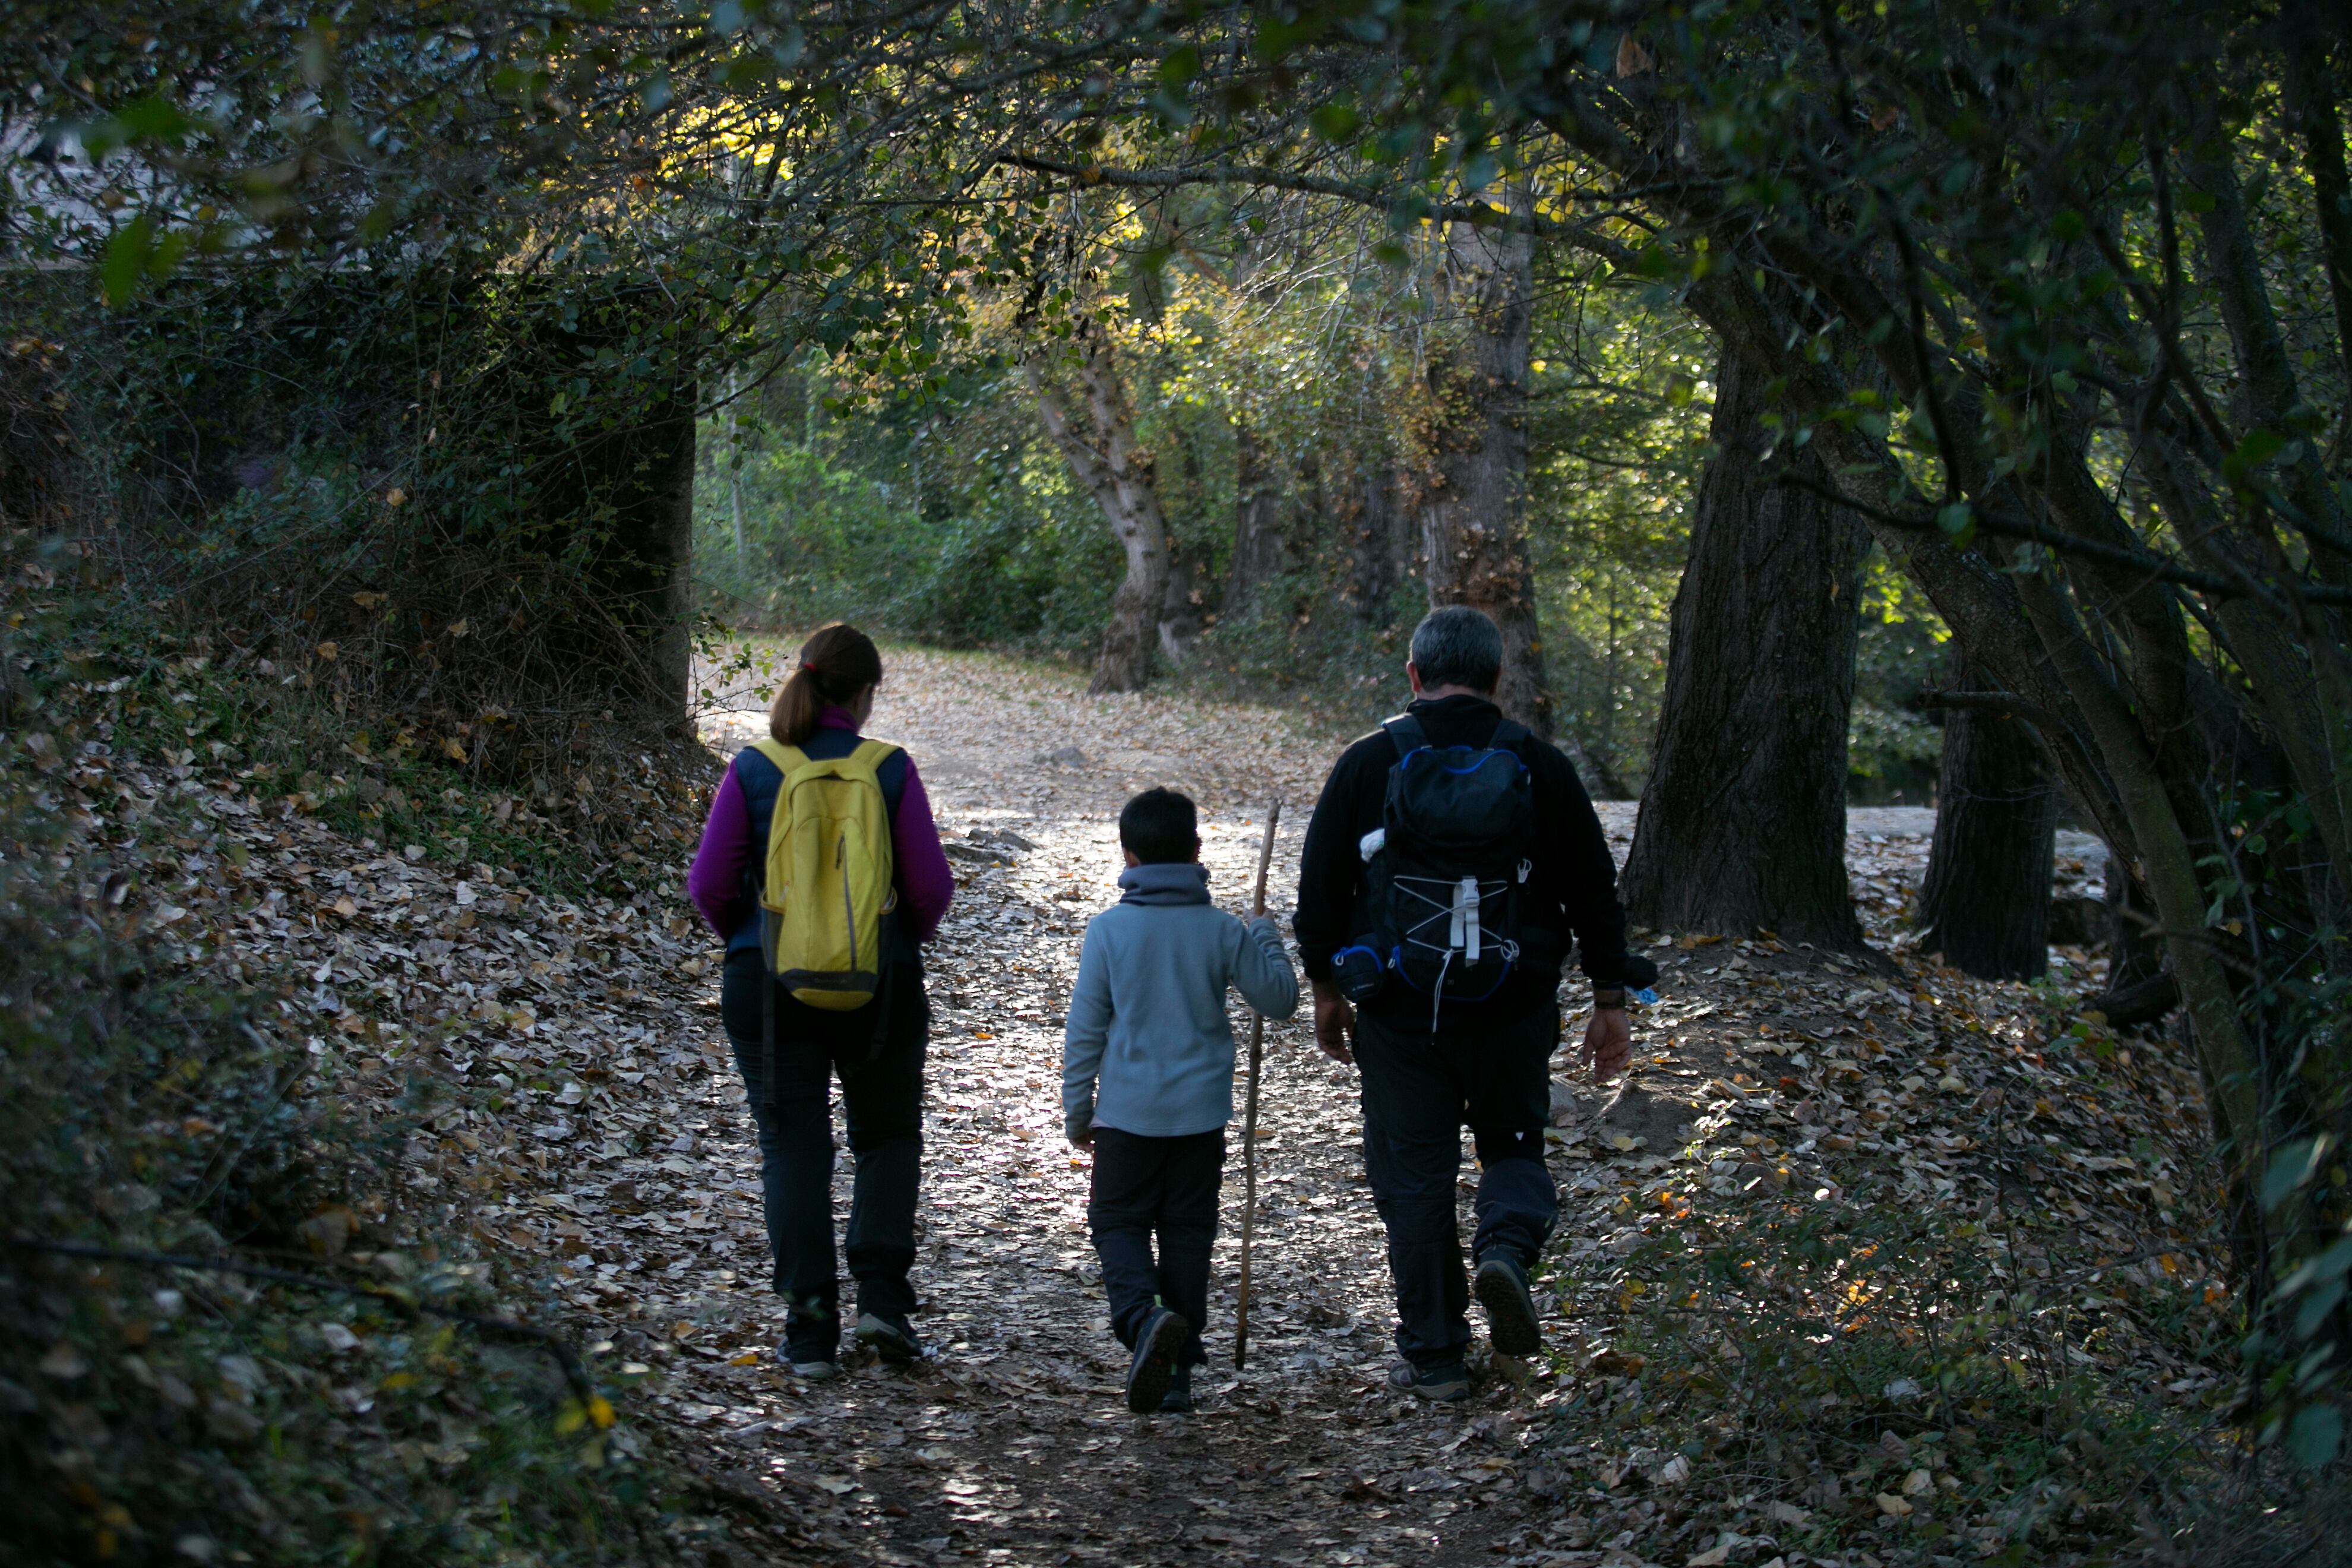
(352, 1381)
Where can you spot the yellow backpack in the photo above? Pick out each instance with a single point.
(828, 875)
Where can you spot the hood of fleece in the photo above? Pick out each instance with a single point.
(1180, 882)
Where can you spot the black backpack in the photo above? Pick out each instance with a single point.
(1449, 870)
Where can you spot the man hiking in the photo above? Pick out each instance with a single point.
(1450, 860)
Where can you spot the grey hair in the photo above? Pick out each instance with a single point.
(1458, 646)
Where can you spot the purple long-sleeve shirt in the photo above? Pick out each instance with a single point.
(719, 885)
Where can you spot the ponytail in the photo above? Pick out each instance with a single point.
(836, 664)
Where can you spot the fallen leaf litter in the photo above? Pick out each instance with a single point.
(608, 1153)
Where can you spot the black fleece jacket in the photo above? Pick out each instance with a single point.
(1572, 889)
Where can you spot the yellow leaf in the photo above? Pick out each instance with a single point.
(367, 600)
(600, 1411)
(749, 1358)
(451, 750)
(459, 627)
(1893, 1506)
(394, 496)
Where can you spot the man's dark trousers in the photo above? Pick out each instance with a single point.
(1164, 1186)
(1420, 1087)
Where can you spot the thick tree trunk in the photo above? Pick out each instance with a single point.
(1743, 824)
(1985, 905)
(1474, 506)
(1118, 474)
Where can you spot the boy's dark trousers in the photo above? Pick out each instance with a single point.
(1420, 1089)
(1163, 1185)
(882, 1101)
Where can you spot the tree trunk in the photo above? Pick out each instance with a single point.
(735, 473)
(1182, 612)
(1985, 905)
(1474, 506)
(2312, 107)
(1260, 546)
(1743, 824)
(1379, 550)
(1117, 472)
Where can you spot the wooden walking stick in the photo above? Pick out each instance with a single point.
(1249, 1121)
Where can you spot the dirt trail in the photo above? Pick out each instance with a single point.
(588, 1131)
(1011, 1445)
(1014, 1445)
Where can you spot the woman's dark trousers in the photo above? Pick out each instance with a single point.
(882, 1101)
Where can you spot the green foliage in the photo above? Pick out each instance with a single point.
(948, 520)
(1892, 748)
(430, 496)
(1617, 436)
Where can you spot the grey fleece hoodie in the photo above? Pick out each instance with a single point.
(1148, 1014)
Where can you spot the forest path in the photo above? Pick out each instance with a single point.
(1011, 1445)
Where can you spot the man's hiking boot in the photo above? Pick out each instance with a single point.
(1439, 1384)
(1153, 1369)
(810, 1366)
(893, 1341)
(1178, 1400)
(1502, 1287)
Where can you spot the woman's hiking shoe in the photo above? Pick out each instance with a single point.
(1439, 1384)
(1178, 1400)
(893, 1341)
(1153, 1369)
(808, 1366)
(1511, 1321)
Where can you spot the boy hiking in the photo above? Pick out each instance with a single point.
(1148, 1081)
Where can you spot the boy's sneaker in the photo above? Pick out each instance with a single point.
(1439, 1384)
(1511, 1321)
(808, 1365)
(1178, 1400)
(1150, 1374)
(893, 1341)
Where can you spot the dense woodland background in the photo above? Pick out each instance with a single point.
(1910, 402)
(1275, 415)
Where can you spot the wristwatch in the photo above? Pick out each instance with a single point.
(1609, 997)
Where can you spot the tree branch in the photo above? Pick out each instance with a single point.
(2000, 703)
(2157, 566)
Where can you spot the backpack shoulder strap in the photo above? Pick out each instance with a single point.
(871, 755)
(785, 758)
(1510, 735)
(1407, 734)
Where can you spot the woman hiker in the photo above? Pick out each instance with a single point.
(877, 1048)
